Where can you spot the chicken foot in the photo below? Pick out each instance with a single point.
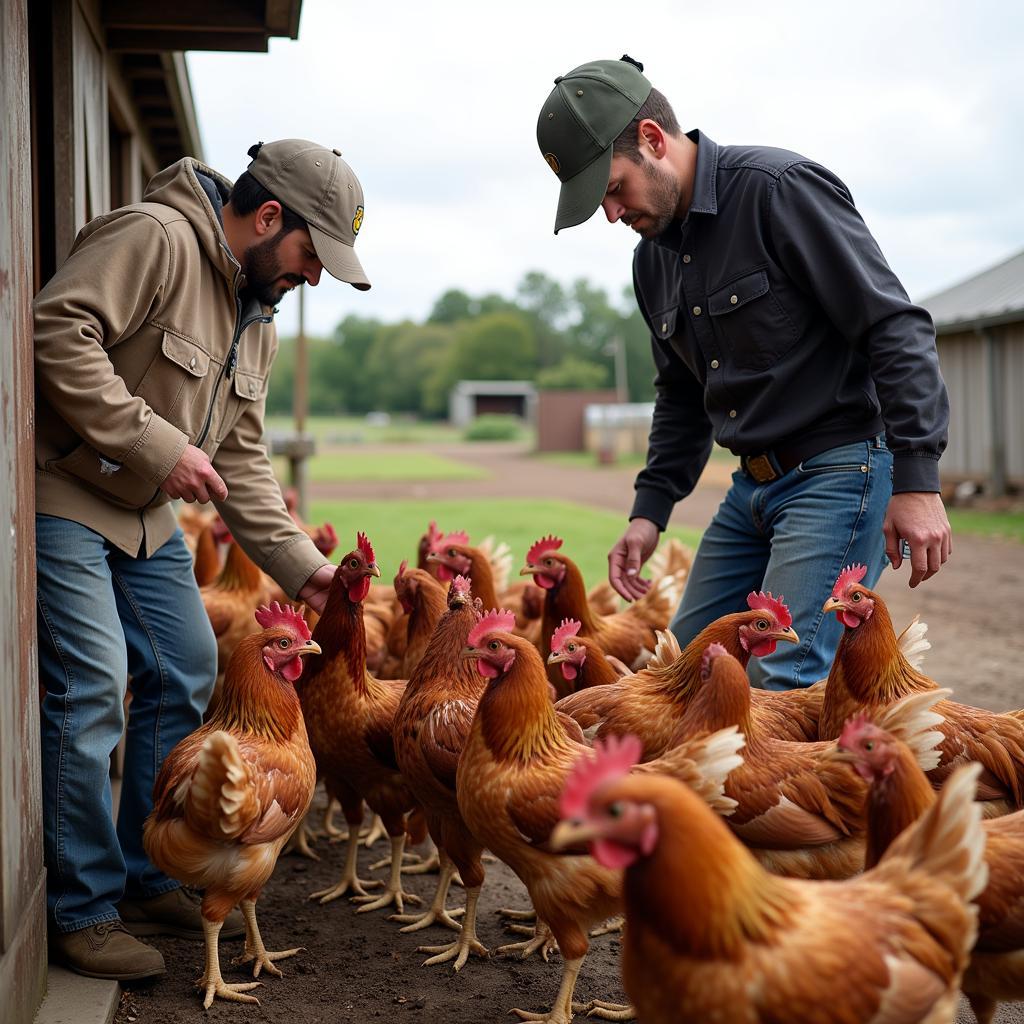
(211, 979)
(466, 943)
(563, 1007)
(393, 890)
(543, 939)
(437, 914)
(254, 948)
(606, 1011)
(613, 924)
(349, 877)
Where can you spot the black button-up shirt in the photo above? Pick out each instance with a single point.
(777, 324)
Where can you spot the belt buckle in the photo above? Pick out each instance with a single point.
(760, 468)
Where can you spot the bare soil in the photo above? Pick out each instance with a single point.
(360, 968)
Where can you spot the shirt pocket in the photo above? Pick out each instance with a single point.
(750, 322)
(177, 384)
(670, 328)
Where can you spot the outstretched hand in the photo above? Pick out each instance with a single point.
(630, 552)
(919, 518)
(314, 591)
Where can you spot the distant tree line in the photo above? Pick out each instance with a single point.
(556, 336)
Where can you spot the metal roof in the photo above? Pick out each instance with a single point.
(994, 296)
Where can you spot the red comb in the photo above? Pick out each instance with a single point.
(493, 622)
(402, 567)
(713, 651)
(462, 585)
(455, 537)
(542, 547)
(611, 760)
(760, 601)
(851, 574)
(433, 533)
(568, 628)
(274, 615)
(364, 545)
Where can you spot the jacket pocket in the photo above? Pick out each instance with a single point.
(177, 384)
(113, 481)
(249, 386)
(750, 321)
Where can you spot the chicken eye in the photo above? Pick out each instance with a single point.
(549, 561)
(856, 597)
(570, 647)
(869, 746)
(353, 563)
(762, 624)
(452, 552)
(284, 643)
(615, 810)
(493, 645)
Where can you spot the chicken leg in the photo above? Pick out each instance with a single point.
(393, 890)
(437, 914)
(465, 944)
(349, 877)
(254, 948)
(211, 979)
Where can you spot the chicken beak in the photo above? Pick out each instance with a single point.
(556, 658)
(468, 653)
(309, 647)
(374, 569)
(789, 635)
(433, 557)
(833, 604)
(529, 570)
(568, 834)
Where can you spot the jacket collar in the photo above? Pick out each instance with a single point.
(705, 191)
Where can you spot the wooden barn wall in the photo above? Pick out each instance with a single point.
(22, 909)
(964, 359)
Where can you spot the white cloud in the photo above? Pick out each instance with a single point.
(916, 105)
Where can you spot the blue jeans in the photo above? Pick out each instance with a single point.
(792, 536)
(102, 616)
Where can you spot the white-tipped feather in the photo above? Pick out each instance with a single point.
(913, 642)
(947, 841)
(666, 650)
(499, 554)
(913, 721)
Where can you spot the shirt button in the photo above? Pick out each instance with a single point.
(664, 328)
(734, 299)
(732, 414)
(686, 257)
(714, 364)
(192, 363)
(252, 389)
(696, 310)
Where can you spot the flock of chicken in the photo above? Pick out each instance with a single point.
(761, 845)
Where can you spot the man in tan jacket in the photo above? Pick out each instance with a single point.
(153, 348)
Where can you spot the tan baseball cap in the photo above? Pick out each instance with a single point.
(323, 190)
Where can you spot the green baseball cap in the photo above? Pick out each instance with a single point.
(581, 118)
(323, 190)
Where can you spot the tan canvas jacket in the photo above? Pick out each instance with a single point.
(141, 347)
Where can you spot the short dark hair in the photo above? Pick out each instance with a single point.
(655, 107)
(248, 195)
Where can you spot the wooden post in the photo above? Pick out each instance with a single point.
(300, 403)
(997, 413)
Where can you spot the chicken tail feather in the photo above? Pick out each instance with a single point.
(222, 800)
(914, 721)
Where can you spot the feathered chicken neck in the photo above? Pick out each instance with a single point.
(254, 699)
(566, 600)
(700, 889)
(441, 663)
(723, 700)
(682, 677)
(895, 802)
(869, 663)
(516, 715)
(427, 610)
(240, 572)
(342, 638)
(483, 578)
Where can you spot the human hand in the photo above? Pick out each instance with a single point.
(314, 591)
(194, 478)
(630, 552)
(919, 518)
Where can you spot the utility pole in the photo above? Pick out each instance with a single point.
(300, 407)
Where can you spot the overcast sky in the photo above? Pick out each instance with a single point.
(917, 106)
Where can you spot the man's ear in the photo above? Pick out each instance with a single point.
(651, 136)
(267, 218)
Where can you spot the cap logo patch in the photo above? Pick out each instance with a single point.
(357, 220)
(553, 162)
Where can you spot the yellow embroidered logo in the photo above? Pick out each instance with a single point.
(357, 220)
(553, 162)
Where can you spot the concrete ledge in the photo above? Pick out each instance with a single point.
(72, 999)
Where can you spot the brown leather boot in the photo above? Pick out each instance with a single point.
(174, 913)
(106, 951)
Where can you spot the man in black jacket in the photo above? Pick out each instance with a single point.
(778, 331)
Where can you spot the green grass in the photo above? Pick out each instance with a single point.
(346, 430)
(356, 465)
(395, 527)
(1008, 525)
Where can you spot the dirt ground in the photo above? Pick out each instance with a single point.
(360, 968)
